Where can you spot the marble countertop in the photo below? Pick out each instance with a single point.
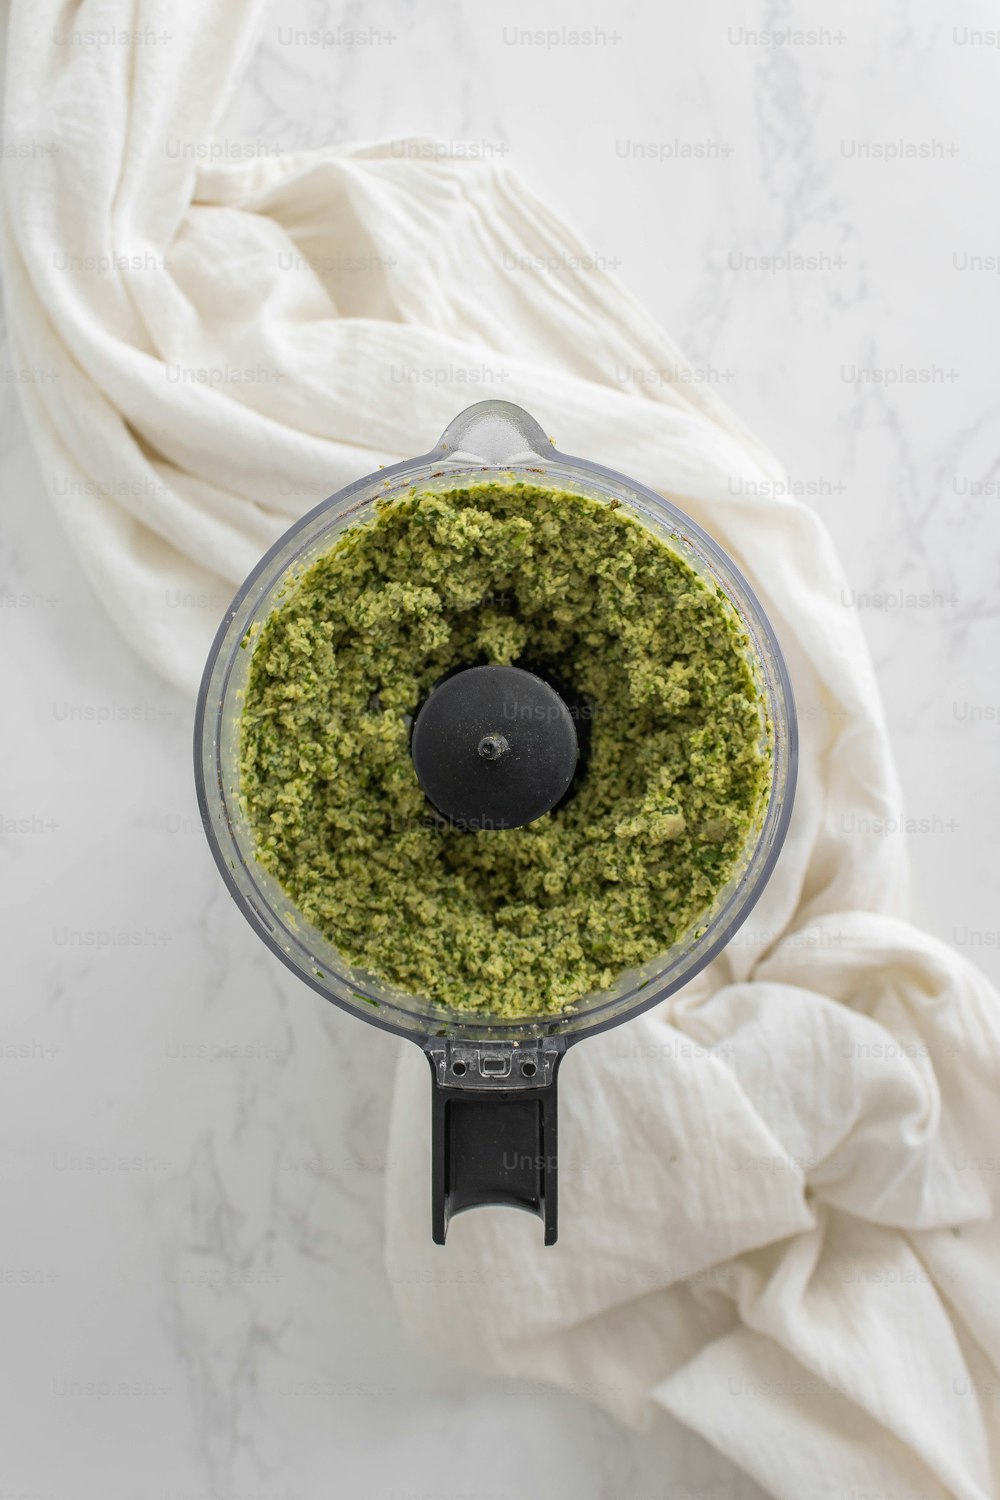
(193, 1300)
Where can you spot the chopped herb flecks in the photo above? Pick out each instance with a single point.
(521, 921)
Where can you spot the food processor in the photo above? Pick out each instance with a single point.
(493, 1080)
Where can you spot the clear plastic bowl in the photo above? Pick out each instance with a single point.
(491, 440)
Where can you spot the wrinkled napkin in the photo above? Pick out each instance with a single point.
(778, 1189)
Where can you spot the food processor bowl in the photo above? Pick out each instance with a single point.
(493, 1078)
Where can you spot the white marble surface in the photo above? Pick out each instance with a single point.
(192, 1301)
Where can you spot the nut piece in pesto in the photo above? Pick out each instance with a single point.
(513, 922)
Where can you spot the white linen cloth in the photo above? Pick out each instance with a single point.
(778, 1215)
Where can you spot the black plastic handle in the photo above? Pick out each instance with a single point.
(494, 1145)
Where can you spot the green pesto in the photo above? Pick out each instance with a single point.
(521, 921)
